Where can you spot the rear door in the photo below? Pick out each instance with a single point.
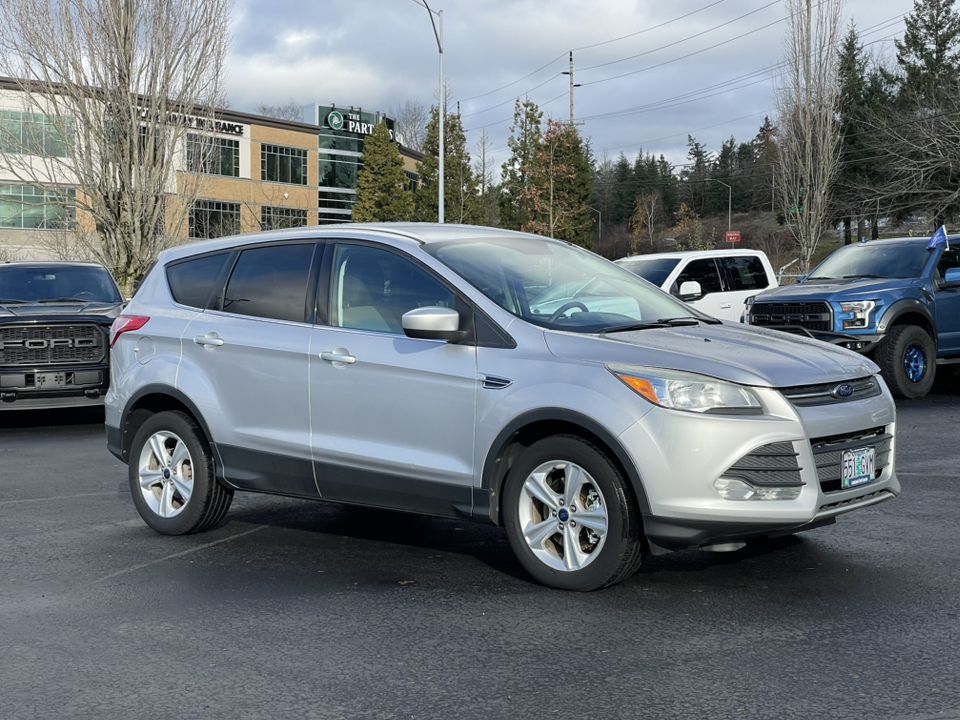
(392, 417)
(743, 277)
(247, 361)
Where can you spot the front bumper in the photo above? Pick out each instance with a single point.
(680, 455)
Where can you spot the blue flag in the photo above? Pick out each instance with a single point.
(939, 238)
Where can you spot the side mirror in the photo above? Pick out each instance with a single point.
(690, 290)
(952, 276)
(433, 323)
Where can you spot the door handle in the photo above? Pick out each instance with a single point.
(210, 339)
(724, 306)
(337, 357)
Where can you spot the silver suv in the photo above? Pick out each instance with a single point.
(464, 372)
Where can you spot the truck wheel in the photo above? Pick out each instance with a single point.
(570, 516)
(907, 360)
(171, 476)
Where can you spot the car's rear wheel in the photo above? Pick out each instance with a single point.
(171, 476)
(570, 516)
(907, 359)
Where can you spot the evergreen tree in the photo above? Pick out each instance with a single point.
(558, 193)
(381, 183)
(625, 192)
(929, 53)
(524, 143)
(461, 200)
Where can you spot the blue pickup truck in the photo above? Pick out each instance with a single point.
(896, 300)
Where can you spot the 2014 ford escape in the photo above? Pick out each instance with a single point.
(419, 368)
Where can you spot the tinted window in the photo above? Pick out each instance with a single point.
(192, 281)
(374, 288)
(948, 261)
(270, 282)
(701, 271)
(654, 270)
(744, 273)
(874, 260)
(52, 283)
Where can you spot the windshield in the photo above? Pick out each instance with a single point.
(653, 270)
(873, 260)
(556, 285)
(39, 284)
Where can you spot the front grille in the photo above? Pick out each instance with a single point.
(774, 464)
(824, 394)
(828, 454)
(809, 315)
(51, 344)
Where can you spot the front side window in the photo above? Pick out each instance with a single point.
(213, 219)
(283, 164)
(270, 282)
(373, 288)
(30, 208)
(744, 273)
(556, 285)
(213, 155)
(702, 271)
(51, 283)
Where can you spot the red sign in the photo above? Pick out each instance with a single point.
(733, 236)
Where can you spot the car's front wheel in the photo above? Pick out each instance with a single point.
(171, 476)
(570, 516)
(907, 359)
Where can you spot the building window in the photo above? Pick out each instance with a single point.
(283, 164)
(213, 219)
(26, 207)
(277, 218)
(339, 171)
(413, 180)
(213, 155)
(32, 134)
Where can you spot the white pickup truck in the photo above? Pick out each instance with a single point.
(716, 282)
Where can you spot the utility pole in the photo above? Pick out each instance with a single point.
(572, 86)
(441, 104)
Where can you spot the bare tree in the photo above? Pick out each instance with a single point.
(290, 109)
(489, 196)
(116, 85)
(648, 218)
(410, 121)
(807, 99)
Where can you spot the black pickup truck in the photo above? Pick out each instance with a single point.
(55, 322)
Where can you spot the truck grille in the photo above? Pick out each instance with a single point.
(51, 344)
(809, 315)
(825, 394)
(828, 451)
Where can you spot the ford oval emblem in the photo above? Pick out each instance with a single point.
(842, 391)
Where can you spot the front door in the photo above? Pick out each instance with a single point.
(948, 305)
(392, 417)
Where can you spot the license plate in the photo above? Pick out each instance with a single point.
(49, 380)
(857, 467)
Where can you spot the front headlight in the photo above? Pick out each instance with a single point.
(687, 391)
(856, 315)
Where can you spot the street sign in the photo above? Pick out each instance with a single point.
(733, 236)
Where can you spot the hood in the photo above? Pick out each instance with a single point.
(734, 352)
(40, 311)
(836, 290)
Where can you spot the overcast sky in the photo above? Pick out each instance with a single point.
(652, 72)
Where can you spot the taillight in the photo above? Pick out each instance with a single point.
(125, 323)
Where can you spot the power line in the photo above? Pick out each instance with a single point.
(646, 30)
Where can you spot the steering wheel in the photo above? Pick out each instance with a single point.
(560, 311)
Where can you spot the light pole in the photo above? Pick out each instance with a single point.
(599, 224)
(441, 103)
(729, 200)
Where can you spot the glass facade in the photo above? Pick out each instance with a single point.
(283, 164)
(213, 219)
(213, 155)
(276, 218)
(26, 207)
(31, 134)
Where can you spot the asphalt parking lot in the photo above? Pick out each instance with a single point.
(293, 609)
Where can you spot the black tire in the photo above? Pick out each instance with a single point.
(600, 490)
(179, 494)
(907, 359)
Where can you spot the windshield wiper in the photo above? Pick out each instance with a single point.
(65, 299)
(661, 323)
(865, 277)
(14, 301)
(689, 320)
(633, 326)
(821, 277)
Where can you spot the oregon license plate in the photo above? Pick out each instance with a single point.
(49, 380)
(857, 467)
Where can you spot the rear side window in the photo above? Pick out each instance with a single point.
(702, 271)
(191, 281)
(271, 282)
(744, 273)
